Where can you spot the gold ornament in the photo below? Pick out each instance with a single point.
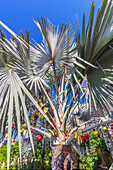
(105, 129)
(42, 117)
(97, 133)
(22, 133)
(24, 126)
(77, 135)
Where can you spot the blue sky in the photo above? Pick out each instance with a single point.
(19, 14)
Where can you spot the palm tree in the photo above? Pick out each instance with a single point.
(65, 72)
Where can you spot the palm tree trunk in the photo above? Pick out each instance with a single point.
(61, 157)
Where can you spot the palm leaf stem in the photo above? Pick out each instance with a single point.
(43, 132)
(55, 77)
(68, 141)
(54, 111)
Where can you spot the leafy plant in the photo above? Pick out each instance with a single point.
(64, 70)
(92, 159)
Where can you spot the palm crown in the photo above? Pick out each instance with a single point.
(60, 65)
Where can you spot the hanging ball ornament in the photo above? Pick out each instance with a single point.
(84, 139)
(105, 129)
(31, 131)
(39, 138)
(97, 133)
(111, 126)
(87, 136)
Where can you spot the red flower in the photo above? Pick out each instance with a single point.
(52, 110)
(58, 104)
(39, 138)
(12, 126)
(39, 127)
(93, 129)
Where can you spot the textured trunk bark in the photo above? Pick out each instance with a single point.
(61, 157)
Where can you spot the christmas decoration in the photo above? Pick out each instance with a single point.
(84, 139)
(97, 133)
(22, 132)
(87, 136)
(78, 136)
(31, 131)
(111, 126)
(42, 117)
(24, 126)
(105, 129)
(39, 138)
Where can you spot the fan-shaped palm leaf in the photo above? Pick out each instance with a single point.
(96, 48)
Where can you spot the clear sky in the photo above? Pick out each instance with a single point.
(19, 14)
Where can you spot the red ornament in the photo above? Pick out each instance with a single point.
(87, 136)
(33, 108)
(111, 126)
(12, 126)
(93, 129)
(39, 138)
(84, 139)
(58, 104)
(39, 127)
(52, 110)
(31, 131)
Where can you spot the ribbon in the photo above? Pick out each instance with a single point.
(77, 135)
(23, 132)
(45, 110)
